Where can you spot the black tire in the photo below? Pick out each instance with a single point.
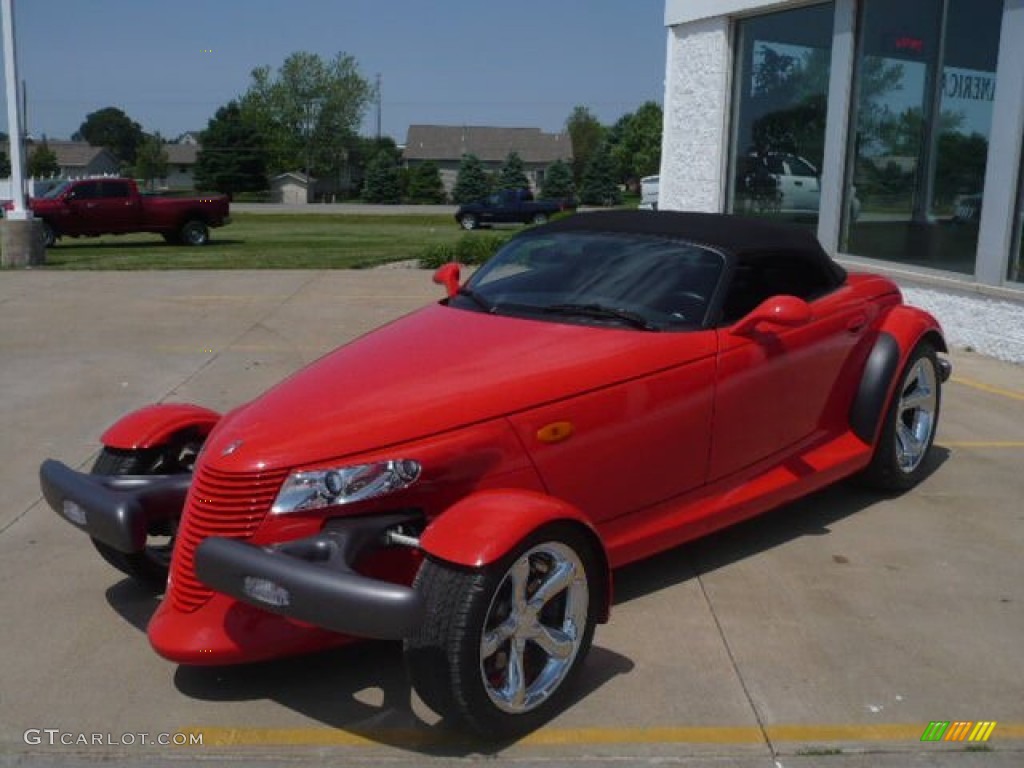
(911, 420)
(48, 234)
(446, 661)
(194, 232)
(150, 567)
(539, 218)
(468, 222)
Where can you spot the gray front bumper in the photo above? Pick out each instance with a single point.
(118, 510)
(313, 580)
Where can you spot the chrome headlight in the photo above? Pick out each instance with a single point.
(344, 485)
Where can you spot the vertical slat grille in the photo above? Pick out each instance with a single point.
(219, 504)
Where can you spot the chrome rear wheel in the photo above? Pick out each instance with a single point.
(917, 414)
(905, 440)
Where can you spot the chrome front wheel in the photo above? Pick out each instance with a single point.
(500, 644)
(534, 627)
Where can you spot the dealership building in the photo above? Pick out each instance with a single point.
(893, 128)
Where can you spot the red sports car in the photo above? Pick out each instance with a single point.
(467, 478)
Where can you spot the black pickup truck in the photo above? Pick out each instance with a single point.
(510, 206)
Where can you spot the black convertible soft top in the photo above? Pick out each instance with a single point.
(731, 234)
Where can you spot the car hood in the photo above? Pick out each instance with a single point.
(437, 369)
(43, 204)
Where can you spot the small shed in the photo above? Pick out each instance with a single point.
(181, 165)
(292, 188)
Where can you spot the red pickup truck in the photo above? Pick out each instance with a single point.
(108, 206)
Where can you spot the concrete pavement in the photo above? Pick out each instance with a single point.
(830, 632)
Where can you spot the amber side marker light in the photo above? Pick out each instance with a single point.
(556, 432)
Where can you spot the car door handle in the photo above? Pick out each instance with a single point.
(856, 323)
(798, 183)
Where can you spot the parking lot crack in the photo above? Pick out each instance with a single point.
(11, 523)
(736, 669)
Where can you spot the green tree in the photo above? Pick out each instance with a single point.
(42, 163)
(309, 111)
(233, 157)
(600, 186)
(362, 151)
(790, 97)
(775, 73)
(586, 134)
(472, 182)
(111, 128)
(961, 165)
(383, 180)
(425, 185)
(150, 160)
(902, 134)
(636, 142)
(799, 129)
(878, 78)
(513, 173)
(558, 181)
(5, 165)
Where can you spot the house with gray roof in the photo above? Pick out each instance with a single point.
(77, 159)
(189, 137)
(445, 145)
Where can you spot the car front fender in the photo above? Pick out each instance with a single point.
(901, 330)
(155, 424)
(484, 527)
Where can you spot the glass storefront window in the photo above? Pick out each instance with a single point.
(778, 126)
(924, 88)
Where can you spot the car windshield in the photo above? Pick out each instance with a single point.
(598, 278)
(57, 190)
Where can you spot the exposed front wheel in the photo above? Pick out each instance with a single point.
(149, 567)
(500, 643)
(907, 435)
(194, 232)
(468, 222)
(540, 218)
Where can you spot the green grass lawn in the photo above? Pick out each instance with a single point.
(253, 241)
